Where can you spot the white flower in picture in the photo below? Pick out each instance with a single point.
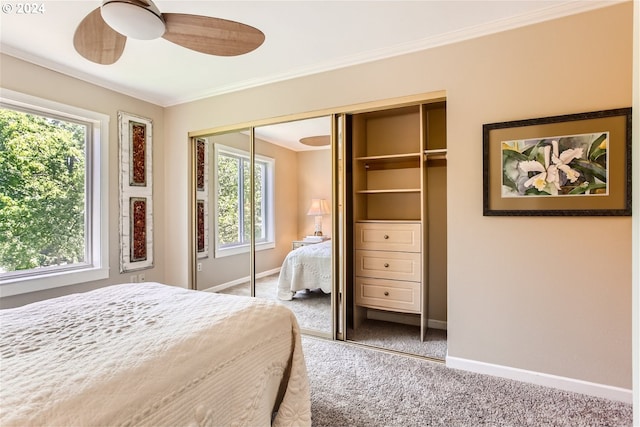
(557, 166)
(562, 161)
(545, 176)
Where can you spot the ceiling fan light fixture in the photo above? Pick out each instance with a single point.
(133, 18)
(316, 141)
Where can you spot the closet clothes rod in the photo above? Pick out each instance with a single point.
(437, 154)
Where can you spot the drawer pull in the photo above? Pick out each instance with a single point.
(386, 236)
(386, 264)
(386, 293)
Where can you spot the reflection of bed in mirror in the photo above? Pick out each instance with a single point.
(307, 267)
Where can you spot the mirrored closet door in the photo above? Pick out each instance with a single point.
(264, 216)
(342, 218)
(223, 212)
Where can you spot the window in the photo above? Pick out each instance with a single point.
(53, 198)
(233, 201)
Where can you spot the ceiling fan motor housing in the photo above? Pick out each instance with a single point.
(137, 19)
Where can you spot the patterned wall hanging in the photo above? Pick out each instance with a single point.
(136, 192)
(202, 198)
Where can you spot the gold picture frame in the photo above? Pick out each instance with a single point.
(570, 165)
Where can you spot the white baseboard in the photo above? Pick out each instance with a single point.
(437, 324)
(405, 319)
(245, 279)
(226, 285)
(538, 378)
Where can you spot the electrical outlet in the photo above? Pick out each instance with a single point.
(199, 266)
(141, 277)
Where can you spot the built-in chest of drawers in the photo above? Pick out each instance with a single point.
(388, 267)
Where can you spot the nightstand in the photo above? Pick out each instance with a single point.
(299, 243)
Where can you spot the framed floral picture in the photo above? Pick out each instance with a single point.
(571, 165)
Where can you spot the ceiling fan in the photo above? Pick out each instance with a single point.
(102, 34)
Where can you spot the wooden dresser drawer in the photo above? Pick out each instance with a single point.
(388, 294)
(401, 236)
(389, 265)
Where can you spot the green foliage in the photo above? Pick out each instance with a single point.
(510, 160)
(260, 171)
(590, 170)
(42, 191)
(587, 187)
(228, 203)
(596, 151)
(233, 180)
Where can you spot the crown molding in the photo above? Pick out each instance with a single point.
(541, 15)
(546, 14)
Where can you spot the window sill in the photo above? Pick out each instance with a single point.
(23, 285)
(221, 253)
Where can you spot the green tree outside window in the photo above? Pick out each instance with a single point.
(42, 191)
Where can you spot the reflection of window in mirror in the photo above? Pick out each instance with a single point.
(233, 201)
(280, 200)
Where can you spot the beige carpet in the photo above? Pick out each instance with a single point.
(312, 308)
(313, 311)
(357, 386)
(400, 337)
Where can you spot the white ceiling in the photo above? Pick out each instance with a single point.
(302, 38)
(289, 134)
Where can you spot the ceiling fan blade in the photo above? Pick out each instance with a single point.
(98, 42)
(213, 36)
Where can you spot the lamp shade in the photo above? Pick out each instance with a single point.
(319, 207)
(133, 19)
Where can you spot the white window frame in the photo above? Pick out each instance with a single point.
(97, 190)
(268, 200)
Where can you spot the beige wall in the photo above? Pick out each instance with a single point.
(635, 253)
(314, 182)
(520, 292)
(32, 80)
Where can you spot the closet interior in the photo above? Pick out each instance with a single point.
(396, 216)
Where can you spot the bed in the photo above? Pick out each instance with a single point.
(308, 267)
(152, 354)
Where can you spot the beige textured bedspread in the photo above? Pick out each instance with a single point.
(148, 354)
(308, 267)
